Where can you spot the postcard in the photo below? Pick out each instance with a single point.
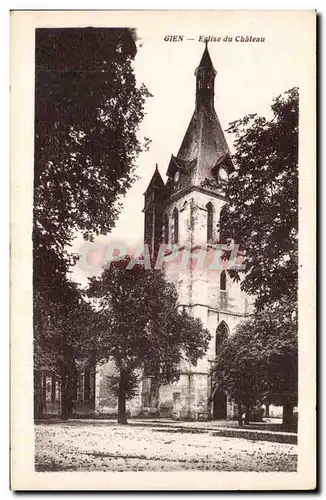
(163, 177)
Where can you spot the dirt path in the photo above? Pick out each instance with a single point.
(92, 446)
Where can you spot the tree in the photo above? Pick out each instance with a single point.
(260, 361)
(261, 213)
(60, 338)
(141, 326)
(88, 108)
(87, 113)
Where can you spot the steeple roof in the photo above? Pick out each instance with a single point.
(204, 142)
(206, 61)
(204, 145)
(156, 181)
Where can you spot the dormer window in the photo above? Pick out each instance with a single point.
(223, 174)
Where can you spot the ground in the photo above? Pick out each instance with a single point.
(106, 446)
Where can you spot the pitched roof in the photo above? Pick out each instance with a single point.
(156, 181)
(204, 144)
(206, 61)
(204, 141)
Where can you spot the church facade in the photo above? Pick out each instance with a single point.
(184, 213)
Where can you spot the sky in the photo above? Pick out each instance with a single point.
(249, 76)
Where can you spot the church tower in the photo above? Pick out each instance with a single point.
(188, 208)
(153, 210)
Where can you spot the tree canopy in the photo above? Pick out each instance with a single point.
(261, 213)
(260, 361)
(141, 325)
(88, 107)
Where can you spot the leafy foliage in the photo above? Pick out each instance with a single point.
(260, 361)
(131, 384)
(261, 214)
(140, 324)
(88, 108)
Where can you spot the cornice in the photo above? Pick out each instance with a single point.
(180, 194)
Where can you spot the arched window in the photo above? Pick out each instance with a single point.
(87, 384)
(223, 292)
(223, 281)
(221, 226)
(175, 217)
(209, 208)
(222, 333)
(166, 228)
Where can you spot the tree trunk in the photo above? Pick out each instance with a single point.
(38, 395)
(68, 382)
(66, 408)
(66, 402)
(122, 417)
(267, 411)
(240, 412)
(287, 415)
(247, 414)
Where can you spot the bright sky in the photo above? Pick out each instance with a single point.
(249, 76)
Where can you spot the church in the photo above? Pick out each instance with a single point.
(184, 211)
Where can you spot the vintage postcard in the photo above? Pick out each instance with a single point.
(163, 171)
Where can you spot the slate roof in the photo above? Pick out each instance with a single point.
(204, 141)
(156, 181)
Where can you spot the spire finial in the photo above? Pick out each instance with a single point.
(206, 43)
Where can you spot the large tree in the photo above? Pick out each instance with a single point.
(88, 108)
(60, 338)
(261, 213)
(260, 361)
(142, 327)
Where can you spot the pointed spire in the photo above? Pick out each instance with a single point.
(156, 180)
(204, 145)
(206, 61)
(205, 75)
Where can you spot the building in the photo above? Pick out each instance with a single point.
(184, 212)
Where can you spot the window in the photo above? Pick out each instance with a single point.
(75, 385)
(176, 397)
(53, 382)
(166, 228)
(209, 208)
(175, 217)
(87, 384)
(223, 281)
(222, 332)
(145, 399)
(148, 226)
(44, 387)
(222, 225)
(223, 292)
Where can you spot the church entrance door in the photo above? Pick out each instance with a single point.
(219, 405)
